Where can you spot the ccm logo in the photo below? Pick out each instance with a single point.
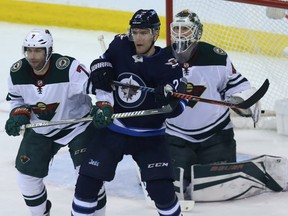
(153, 165)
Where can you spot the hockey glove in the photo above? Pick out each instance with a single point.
(163, 94)
(102, 113)
(102, 74)
(254, 111)
(18, 116)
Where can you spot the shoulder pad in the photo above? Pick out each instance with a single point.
(18, 65)
(62, 62)
(121, 36)
(208, 54)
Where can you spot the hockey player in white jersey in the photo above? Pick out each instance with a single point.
(46, 86)
(203, 133)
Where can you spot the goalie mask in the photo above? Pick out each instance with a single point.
(143, 19)
(38, 38)
(186, 31)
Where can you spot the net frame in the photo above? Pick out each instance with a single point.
(277, 79)
(269, 3)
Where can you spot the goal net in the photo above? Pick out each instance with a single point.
(254, 34)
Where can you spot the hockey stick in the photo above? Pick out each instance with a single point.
(102, 43)
(186, 205)
(164, 109)
(243, 105)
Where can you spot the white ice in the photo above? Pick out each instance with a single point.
(124, 193)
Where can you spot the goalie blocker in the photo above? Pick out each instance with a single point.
(230, 181)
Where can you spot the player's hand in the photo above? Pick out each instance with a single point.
(254, 111)
(102, 74)
(163, 94)
(102, 113)
(18, 116)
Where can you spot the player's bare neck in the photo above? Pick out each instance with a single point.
(150, 52)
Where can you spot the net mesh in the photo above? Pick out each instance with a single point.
(254, 41)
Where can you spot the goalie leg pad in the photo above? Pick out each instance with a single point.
(220, 182)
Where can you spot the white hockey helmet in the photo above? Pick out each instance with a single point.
(39, 38)
(186, 31)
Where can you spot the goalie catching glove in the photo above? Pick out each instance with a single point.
(18, 116)
(102, 74)
(102, 114)
(253, 111)
(163, 94)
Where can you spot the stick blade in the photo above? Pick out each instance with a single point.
(255, 97)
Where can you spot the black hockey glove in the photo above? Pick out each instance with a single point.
(18, 116)
(102, 74)
(163, 94)
(102, 113)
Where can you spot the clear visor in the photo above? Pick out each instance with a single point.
(183, 36)
(139, 33)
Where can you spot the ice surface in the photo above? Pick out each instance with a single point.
(124, 193)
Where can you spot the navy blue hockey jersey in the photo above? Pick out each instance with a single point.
(151, 71)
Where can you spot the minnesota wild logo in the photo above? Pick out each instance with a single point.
(16, 66)
(45, 111)
(62, 63)
(195, 90)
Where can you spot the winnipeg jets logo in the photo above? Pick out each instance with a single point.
(137, 58)
(130, 97)
(128, 93)
(121, 36)
(173, 62)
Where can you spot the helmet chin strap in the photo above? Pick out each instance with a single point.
(38, 71)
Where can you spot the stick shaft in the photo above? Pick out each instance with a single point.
(164, 109)
(244, 105)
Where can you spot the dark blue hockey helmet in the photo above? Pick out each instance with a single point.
(145, 19)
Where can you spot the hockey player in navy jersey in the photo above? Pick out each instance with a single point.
(203, 133)
(133, 59)
(46, 86)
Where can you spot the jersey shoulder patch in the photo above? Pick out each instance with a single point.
(121, 36)
(20, 72)
(219, 51)
(208, 54)
(16, 66)
(61, 62)
(19, 65)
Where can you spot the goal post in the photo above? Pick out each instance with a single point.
(254, 33)
(268, 3)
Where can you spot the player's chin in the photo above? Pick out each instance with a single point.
(140, 49)
(37, 66)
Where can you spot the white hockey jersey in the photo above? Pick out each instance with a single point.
(211, 75)
(58, 95)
